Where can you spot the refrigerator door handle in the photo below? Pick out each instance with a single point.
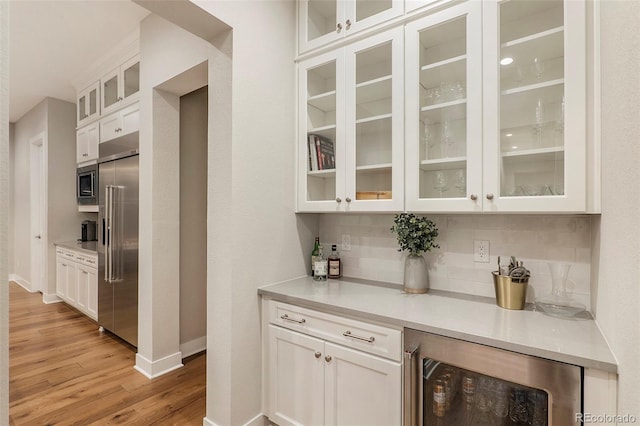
(108, 255)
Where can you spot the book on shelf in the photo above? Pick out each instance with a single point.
(321, 153)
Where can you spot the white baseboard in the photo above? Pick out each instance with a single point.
(194, 346)
(21, 282)
(259, 420)
(153, 369)
(50, 298)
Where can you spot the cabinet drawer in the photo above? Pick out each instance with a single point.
(87, 259)
(370, 338)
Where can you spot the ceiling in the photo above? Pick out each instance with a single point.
(51, 42)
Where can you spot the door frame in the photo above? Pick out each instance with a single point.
(38, 197)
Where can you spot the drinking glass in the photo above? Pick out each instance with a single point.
(538, 67)
(537, 129)
(445, 137)
(440, 182)
(461, 181)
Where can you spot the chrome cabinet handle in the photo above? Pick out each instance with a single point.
(473, 197)
(348, 23)
(348, 199)
(286, 318)
(328, 358)
(489, 196)
(338, 200)
(318, 354)
(364, 339)
(338, 27)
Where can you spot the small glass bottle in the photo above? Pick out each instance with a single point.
(320, 266)
(335, 265)
(314, 253)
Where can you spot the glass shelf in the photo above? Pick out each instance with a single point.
(444, 164)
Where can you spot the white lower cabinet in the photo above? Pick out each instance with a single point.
(315, 381)
(77, 280)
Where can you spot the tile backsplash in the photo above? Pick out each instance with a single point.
(534, 239)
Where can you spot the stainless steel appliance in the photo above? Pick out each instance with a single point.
(89, 230)
(453, 382)
(87, 185)
(118, 244)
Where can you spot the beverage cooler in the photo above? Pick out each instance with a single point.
(452, 382)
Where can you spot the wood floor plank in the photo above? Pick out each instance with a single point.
(63, 371)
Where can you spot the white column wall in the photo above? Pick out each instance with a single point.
(618, 292)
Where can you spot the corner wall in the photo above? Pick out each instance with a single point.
(618, 292)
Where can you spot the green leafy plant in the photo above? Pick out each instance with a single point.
(415, 234)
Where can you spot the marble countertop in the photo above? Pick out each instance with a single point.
(90, 247)
(474, 319)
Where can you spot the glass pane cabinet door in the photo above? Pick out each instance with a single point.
(537, 57)
(110, 91)
(374, 122)
(93, 101)
(131, 76)
(532, 102)
(82, 108)
(321, 18)
(320, 145)
(444, 141)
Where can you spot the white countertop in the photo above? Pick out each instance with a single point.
(89, 247)
(469, 318)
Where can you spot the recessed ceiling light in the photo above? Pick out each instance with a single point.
(514, 147)
(509, 135)
(506, 61)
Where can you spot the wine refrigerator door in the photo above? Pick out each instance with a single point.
(448, 381)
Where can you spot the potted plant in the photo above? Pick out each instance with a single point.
(417, 236)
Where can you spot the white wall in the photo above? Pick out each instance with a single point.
(618, 288)
(4, 212)
(56, 119)
(63, 218)
(254, 238)
(31, 124)
(193, 221)
(11, 169)
(534, 239)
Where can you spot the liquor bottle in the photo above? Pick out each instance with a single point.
(320, 266)
(335, 265)
(314, 253)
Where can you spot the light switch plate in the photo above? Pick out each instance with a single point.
(346, 242)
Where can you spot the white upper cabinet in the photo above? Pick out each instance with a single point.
(88, 104)
(535, 141)
(87, 139)
(323, 21)
(498, 126)
(120, 86)
(351, 127)
(443, 103)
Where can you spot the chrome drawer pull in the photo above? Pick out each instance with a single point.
(286, 318)
(364, 339)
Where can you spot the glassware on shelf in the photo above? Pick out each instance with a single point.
(461, 181)
(559, 127)
(445, 137)
(538, 67)
(537, 128)
(440, 182)
(559, 303)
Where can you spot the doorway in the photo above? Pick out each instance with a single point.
(38, 213)
(193, 221)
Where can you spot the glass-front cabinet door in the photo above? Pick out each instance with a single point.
(350, 142)
(88, 104)
(324, 21)
(444, 111)
(534, 128)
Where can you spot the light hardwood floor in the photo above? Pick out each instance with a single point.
(63, 371)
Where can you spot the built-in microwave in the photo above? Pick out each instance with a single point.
(87, 185)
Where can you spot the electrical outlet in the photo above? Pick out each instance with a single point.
(346, 242)
(481, 251)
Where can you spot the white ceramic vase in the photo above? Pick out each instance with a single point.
(416, 276)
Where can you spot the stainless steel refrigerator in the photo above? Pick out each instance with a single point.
(118, 245)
